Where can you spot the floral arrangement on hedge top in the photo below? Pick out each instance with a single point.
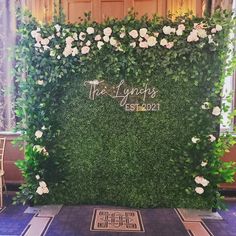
(93, 151)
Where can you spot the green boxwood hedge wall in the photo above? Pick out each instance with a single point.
(83, 151)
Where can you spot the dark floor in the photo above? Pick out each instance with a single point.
(76, 220)
(226, 227)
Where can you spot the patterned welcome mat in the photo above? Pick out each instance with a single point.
(116, 220)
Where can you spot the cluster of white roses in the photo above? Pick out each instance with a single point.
(140, 38)
(216, 111)
(202, 181)
(38, 148)
(41, 43)
(199, 31)
(42, 188)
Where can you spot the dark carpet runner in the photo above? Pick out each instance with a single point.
(76, 221)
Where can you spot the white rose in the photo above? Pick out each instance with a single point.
(107, 31)
(75, 51)
(106, 38)
(205, 106)
(37, 177)
(38, 134)
(90, 30)
(163, 42)
(38, 37)
(58, 34)
(181, 27)
(122, 35)
(39, 191)
(204, 182)
(57, 46)
(169, 45)
(216, 111)
(179, 32)
(45, 41)
(88, 43)
(203, 163)
(195, 139)
(143, 32)
(34, 33)
(202, 33)
(151, 41)
(97, 37)
(212, 138)
(69, 40)
(58, 57)
(45, 190)
(40, 82)
(143, 44)
(199, 190)
(100, 44)
(82, 36)
(67, 51)
(57, 27)
(133, 44)
(113, 41)
(42, 184)
(167, 30)
(192, 37)
(85, 49)
(133, 34)
(198, 179)
(213, 31)
(219, 27)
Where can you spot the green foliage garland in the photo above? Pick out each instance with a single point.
(93, 151)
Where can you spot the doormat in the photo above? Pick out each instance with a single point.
(117, 220)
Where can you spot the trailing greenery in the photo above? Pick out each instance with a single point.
(83, 151)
